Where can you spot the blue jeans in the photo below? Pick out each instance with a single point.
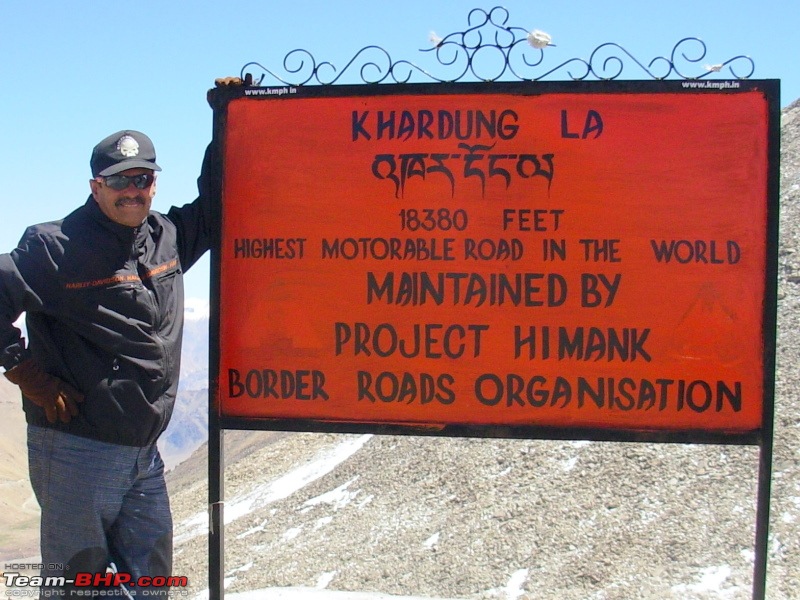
(101, 504)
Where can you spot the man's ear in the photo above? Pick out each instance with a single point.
(94, 185)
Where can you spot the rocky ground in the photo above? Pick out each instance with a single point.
(470, 518)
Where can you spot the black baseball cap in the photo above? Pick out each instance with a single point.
(123, 150)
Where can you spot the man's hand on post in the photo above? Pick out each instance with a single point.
(57, 398)
(228, 81)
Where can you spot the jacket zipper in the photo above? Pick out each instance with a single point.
(158, 317)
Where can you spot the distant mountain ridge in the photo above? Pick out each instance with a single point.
(188, 428)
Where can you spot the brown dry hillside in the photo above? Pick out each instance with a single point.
(19, 513)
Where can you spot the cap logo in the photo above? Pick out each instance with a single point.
(128, 146)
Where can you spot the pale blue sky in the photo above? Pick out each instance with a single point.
(74, 72)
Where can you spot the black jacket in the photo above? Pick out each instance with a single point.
(104, 311)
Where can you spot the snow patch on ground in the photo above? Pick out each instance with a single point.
(272, 491)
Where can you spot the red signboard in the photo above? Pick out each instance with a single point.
(496, 255)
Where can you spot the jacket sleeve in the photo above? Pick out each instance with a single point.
(17, 296)
(194, 222)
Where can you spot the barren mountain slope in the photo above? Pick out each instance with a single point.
(465, 518)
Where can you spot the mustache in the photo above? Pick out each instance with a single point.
(138, 199)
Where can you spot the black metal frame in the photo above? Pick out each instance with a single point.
(463, 47)
(516, 59)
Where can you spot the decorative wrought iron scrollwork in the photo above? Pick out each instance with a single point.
(491, 50)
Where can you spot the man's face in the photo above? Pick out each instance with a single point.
(129, 206)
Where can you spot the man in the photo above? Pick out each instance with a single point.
(103, 294)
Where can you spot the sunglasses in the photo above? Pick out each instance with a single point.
(121, 182)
